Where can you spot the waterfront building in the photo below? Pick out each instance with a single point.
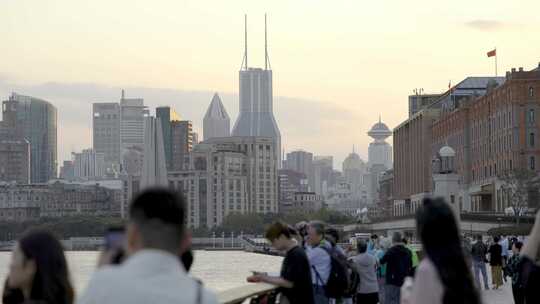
(88, 165)
(15, 161)
(303, 202)
(223, 176)
(22, 202)
(290, 182)
(490, 124)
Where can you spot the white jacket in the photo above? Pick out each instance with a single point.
(149, 277)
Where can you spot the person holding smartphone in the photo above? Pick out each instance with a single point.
(155, 236)
(295, 275)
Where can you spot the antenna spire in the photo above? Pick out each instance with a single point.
(245, 59)
(266, 58)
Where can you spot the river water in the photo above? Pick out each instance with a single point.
(219, 270)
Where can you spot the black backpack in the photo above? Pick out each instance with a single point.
(338, 284)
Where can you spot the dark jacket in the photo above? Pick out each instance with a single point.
(479, 251)
(398, 262)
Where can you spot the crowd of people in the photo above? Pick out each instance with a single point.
(155, 261)
(388, 270)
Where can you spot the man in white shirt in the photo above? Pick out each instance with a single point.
(152, 273)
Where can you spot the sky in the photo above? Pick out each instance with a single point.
(337, 65)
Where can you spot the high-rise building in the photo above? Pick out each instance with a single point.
(301, 161)
(260, 165)
(154, 172)
(118, 128)
(15, 161)
(354, 170)
(67, 171)
(216, 121)
(88, 165)
(256, 117)
(167, 116)
(106, 133)
(223, 176)
(322, 174)
(132, 114)
(182, 142)
(35, 120)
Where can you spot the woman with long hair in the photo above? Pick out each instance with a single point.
(443, 275)
(39, 270)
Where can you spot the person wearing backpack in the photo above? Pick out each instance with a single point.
(366, 265)
(320, 261)
(332, 236)
(398, 262)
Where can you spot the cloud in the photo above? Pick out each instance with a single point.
(486, 25)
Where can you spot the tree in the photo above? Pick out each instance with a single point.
(520, 187)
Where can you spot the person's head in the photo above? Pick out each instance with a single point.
(516, 247)
(39, 268)
(397, 238)
(478, 237)
(301, 227)
(441, 242)
(405, 241)
(496, 239)
(156, 222)
(332, 235)
(279, 234)
(361, 246)
(315, 232)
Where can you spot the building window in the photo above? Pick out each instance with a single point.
(531, 116)
(531, 139)
(531, 92)
(532, 163)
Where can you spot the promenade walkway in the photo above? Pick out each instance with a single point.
(500, 296)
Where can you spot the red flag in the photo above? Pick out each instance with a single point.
(492, 53)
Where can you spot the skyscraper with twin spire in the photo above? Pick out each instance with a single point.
(256, 117)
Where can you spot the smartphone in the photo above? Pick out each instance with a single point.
(114, 238)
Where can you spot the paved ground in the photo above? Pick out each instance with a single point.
(501, 296)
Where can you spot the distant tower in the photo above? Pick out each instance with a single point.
(216, 122)
(256, 116)
(379, 151)
(154, 171)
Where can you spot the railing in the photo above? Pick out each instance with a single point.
(255, 293)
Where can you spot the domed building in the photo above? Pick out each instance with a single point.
(379, 151)
(354, 169)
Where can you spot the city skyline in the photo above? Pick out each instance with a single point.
(352, 101)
